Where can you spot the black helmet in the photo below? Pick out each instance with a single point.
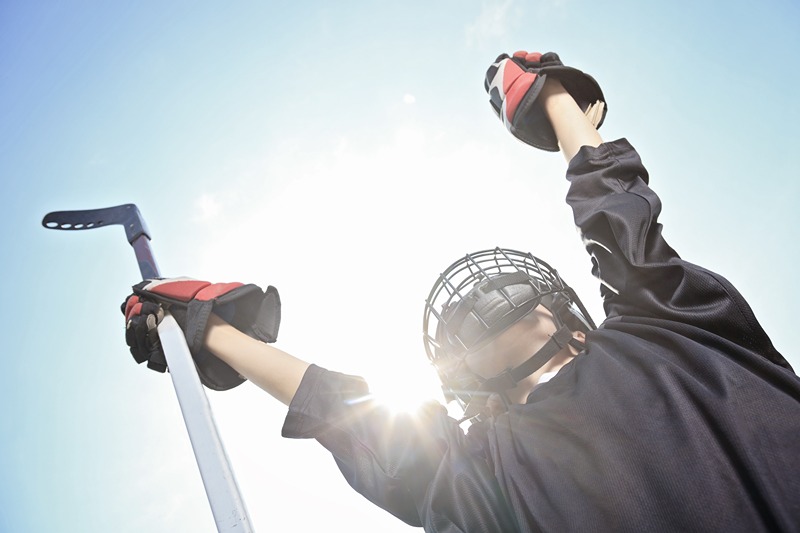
(477, 298)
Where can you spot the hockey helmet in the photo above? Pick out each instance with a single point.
(480, 296)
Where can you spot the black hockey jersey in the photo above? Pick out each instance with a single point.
(679, 415)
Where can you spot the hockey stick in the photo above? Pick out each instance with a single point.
(227, 505)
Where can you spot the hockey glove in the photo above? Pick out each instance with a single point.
(514, 84)
(252, 311)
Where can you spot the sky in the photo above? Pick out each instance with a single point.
(345, 153)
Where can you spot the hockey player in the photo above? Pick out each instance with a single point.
(676, 414)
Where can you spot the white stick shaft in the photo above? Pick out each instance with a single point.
(227, 505)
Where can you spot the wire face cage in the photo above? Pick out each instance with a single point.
(477, 298)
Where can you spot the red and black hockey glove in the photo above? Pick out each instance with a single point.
(514, 84)
(252, 311)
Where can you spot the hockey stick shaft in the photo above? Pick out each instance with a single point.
(144, 256)
(227, 505)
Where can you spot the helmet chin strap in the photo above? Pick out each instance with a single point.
(512, 376)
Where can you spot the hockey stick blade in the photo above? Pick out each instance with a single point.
(126, 215)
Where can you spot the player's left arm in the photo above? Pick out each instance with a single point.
(573, 128)
(618, 213)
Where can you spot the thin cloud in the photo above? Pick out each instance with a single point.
(207, 207)
(493, 22)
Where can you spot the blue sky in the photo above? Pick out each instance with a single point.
(345, 155)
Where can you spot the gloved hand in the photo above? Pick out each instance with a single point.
(252, 311)
(514, 84)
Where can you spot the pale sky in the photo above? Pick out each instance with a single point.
(345, 153)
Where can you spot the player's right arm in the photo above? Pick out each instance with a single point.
(272, 369)
(396, 460)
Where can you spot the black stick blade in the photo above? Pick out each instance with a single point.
(126, 215)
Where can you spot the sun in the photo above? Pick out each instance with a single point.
(406, 388)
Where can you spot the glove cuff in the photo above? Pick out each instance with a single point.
(530, 124)
(533, 127)
(245, 307)
(583, 88)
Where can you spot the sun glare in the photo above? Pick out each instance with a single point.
(405, 389)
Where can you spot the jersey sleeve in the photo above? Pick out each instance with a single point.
(616, 213)
(418, 466)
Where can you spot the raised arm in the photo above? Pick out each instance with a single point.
(545, 104)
